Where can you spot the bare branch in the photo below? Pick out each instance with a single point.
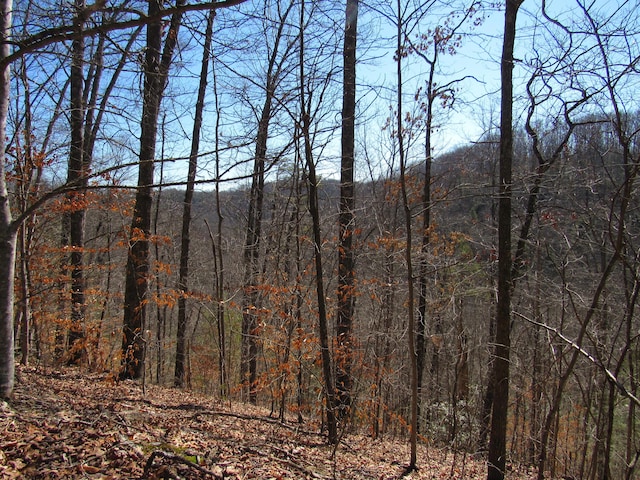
(610, 376)
(68, 32)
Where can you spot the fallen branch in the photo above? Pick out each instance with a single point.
(176, 459)
(285, 461)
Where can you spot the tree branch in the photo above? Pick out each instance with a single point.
(610, 376)
(68, 32)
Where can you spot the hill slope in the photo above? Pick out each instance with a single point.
(65, 424)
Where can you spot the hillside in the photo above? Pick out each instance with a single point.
(64, 424)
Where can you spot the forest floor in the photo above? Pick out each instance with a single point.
(67, 424)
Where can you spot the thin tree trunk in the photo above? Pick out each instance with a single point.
(498, 436)
(314, 210)
(413, 361)
(323, 331)
(76, 175)
(218, 258)
(188, 199)
(250, 307)
(8, 230)
(426, 240)
(346, 255)
(161, 309)
(27, 189)
(298, 288)
(25, 313)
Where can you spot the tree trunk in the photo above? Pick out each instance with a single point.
(346, 255)
(27, 190)
(251, 297)
(7, 262)
(8, 231)
(314, 210)
(421, 332)
(248, 364)
(137, 271)
(411, 327)
(323, 330)
(218, 257)
(76, 214)
(498, 435)
(188, 198)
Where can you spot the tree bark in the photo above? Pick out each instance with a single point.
(498, 435)
(8, 231)
(137, 271)
(314, 210)
(346, 255)
(186, 213)
(76, 211)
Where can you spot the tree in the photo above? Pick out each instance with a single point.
(88, 105)
(218, 257)
(431, 46)
(156, 69)
(305, 122)
(277, 58)
(188, 199)
(73, 221)
(411, 324)
(346, 253)
(498, 437)
(8, 228)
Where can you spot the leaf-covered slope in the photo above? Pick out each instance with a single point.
(65, 424)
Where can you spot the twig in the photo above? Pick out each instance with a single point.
(176, 459)
(286, 461)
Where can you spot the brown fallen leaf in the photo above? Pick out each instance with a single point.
(90, 469)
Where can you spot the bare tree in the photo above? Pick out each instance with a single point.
(73, 221)
(188, 200)
(346, 253)
(430, 47)
(411, 324)
(156, 69)
(498, 437)
(278, 56)
(8, 228)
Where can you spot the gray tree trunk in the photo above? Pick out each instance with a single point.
(411, 323)
(8, 231)
(76, 175)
